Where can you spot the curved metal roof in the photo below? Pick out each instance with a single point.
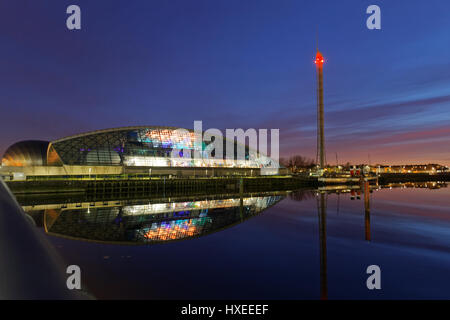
(116, 129)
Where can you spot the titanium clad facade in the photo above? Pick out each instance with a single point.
(26, 153)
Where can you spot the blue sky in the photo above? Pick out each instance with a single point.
(233, 64)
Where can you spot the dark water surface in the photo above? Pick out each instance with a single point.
(295, 245)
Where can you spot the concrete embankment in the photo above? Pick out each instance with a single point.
(412, 177)
(172, 186)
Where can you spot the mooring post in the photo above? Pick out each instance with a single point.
(241, 185)
(241, 198)
(367, 210)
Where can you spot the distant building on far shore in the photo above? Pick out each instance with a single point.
(431, 168)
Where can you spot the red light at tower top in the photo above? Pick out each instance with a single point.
(319, 59)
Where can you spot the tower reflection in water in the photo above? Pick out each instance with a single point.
(355, 191)
(322, 198)
(322, 211)
(146, 223)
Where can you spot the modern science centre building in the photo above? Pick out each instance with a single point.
(130, 152)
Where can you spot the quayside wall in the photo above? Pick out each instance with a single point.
(161, 185)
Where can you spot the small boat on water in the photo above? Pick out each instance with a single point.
(353, 176)
(345, 179)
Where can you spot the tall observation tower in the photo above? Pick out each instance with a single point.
(320, 157)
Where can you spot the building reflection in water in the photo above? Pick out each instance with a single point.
(146, 223)
(156, 221)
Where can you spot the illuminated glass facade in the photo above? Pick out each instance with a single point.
(146, 147)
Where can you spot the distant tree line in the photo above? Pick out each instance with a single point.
(297, 163)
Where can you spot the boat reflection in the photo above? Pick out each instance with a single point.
(145, 222)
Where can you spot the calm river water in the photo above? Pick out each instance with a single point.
(307, 244)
